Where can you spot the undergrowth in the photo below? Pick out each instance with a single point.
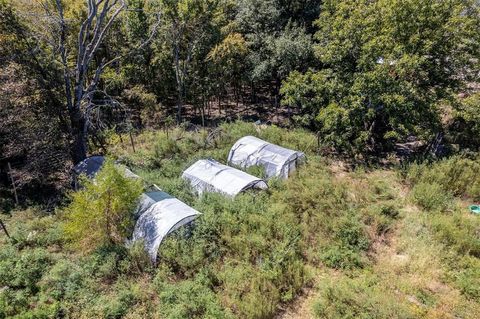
(245, 257)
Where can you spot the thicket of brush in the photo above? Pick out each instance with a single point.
(245, 257)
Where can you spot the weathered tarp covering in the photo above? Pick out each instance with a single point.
(277, 161)
(159, 215)
(127, 172)
(211, 176)
(90, 167)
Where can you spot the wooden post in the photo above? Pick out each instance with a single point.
(131, 141)
(4, 228)
(13, 182)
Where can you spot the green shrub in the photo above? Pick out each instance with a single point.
(64, 280)
(458, 232)
(467, 276)
(117, 306)
(23, 270)
(457, 175)
(362, 298)
(20, 275)
(189, 299)
(351, 233)
(340, 257)
(102, 212)
(465, 128)
(257, 170)
(431, 196)
(107, 263)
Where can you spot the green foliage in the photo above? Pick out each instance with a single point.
(431, 196)
(458, 232)
(351, 234)
(24, 270)
(467, 276)
(361, 297)
(64, 281)
(466, 119)
(350, 240)
(246, 256)
(456, 175)
(20, 273)
(380, 79)
(102, 212)
(189, 299)
(340, 257)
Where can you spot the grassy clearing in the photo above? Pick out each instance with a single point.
(356, 236)
(429, 267)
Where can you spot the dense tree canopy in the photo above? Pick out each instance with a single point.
(385, 67)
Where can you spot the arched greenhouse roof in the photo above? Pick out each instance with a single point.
(91, 165)
(159, 215)
(211, 176)
(277, 161)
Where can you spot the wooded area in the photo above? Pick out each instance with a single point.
(363, 74)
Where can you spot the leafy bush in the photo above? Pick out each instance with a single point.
(458, 232)
(23, 270)
(118, 305)
(431, 196)
(465, 123)
(350, 233)
(102, 212)
(457, 175)
(20, 274)
(189, 299)
(349, 241)
(340, 257)
(64, 280)
(361, 297)
(244, 256)
(467, 276)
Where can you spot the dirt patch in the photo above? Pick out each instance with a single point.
(301, 308)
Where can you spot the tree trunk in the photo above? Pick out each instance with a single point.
(179, 106)
(179, 82)
(78, 147)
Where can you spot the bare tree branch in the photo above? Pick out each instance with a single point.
(82, 99)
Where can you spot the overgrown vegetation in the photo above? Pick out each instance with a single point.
(102, 212)
(353, 236)
(366, 79)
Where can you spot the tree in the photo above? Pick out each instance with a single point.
(277, 43)
(228, 59)
(188, 24)
(385, 67)
(82, 93)
(32, 119)
(102, 212)
(465, 124)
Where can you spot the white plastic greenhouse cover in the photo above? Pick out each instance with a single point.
(277, 161)
(211, 176)
(160, 214)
